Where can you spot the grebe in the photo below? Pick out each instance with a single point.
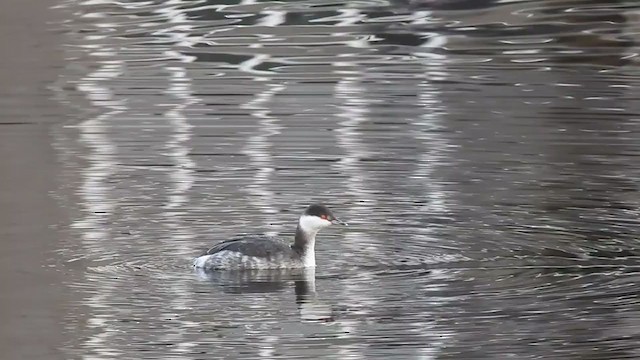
(266, 252)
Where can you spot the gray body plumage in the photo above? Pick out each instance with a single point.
(251, 252)
(252, 245)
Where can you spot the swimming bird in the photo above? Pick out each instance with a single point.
(266, 252)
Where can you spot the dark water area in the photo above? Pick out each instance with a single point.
(485, 153)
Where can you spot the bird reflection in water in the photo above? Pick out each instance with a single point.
(271, 281)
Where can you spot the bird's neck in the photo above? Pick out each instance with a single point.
(305, 244)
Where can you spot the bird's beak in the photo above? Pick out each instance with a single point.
(339, 222)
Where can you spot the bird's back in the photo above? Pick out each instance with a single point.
(252, 245)
(248, 252)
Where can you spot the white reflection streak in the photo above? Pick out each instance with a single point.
(249, 66)
(177, 150)
(181, 174)
(267, 350)
(354, 113)
(432, 156)
(258, 150)
(258, 147)
(95, 193)
(271, 18)
(429, 124)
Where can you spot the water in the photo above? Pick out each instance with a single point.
(484, 153)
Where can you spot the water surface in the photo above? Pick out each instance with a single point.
(485, 154)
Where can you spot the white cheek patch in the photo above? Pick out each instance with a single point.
(311, 223)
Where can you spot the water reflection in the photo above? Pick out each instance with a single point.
(258, 148)
(485, 153)
(303, 282)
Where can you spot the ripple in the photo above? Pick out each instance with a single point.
(144, 267)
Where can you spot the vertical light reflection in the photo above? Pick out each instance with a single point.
(258, 146)
(430, 125)
(177, 147)
(258, 150)
(267, 350)
(98, 199)
(433, 155)
(181, 174)
(354, 112)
